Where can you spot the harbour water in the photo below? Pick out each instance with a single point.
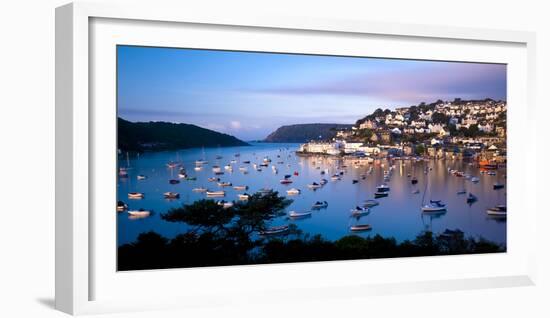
(398, 215)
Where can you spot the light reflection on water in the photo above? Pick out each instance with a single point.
(398, 215)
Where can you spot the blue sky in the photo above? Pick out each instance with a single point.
(249, 95)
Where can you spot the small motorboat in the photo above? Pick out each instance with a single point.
(198, 168)
(214, 179)
(360, 227)
(275, 230)
(215, 193)
(225, 184)
(414, 180)
(474, 179)
(381, 194)
(319, 205)
(323, 181)
(182, 175)
(459, 192)
(246, 162)
(240, 188)
(173, 181)
(498, 186)
(141, 177)
(491, 173)
(233, 161)
(285, 181)
(171, 195)
(243, 169)
(216, 169)
(296, 215)
(218, 157)
(415, 191)
(370, 203)
(225, 204)
(136, 195)
(243, 197)
(293, 191)
(123, 172)
(471, 198)
(383, 188)
(191, 178)
(499, 210)
(296, 173)
(121, 206)
(314, 185)
(359, 211)
(354, 181)
(228, 167)
(200, 189)
(139, 213)
(335, 177)
(434, 206)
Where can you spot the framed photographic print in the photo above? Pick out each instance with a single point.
(234, 155)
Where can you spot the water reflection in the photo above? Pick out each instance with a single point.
(397, 215)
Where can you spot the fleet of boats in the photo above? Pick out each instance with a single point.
(359, 211)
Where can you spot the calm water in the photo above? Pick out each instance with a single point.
(398, 215)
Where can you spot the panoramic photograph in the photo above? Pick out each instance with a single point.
(244, 158)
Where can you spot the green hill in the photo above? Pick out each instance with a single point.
(143, 136)
(305, 132)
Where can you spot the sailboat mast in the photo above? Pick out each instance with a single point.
(425, 189)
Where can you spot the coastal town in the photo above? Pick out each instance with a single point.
(474, 130)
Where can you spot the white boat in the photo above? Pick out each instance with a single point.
(314, 185)
(141, 177)
(499, 210)
(225, 204)
(294, 214)
(171, 195)
(216, 169)
(275, 230)
(201, 162)
(323, 181)
(335, 177)
(243, 169)
(225, 184)
(370, 203)
(213, 179)
(434, 206)
(228, 167)
(359, 211)
(243, 197)
(123, 172)
(240, 188)
(140, 212)
(360, 227)
(416, 191)
(233, 161)
(215, 193)
(293, 191)
(474, 179)
(135, 195)
(198, 168)
(383, 188)
(200, 189)
(121, 206)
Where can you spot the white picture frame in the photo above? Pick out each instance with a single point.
(76, 161)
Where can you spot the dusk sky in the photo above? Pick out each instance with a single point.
(249, 95)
